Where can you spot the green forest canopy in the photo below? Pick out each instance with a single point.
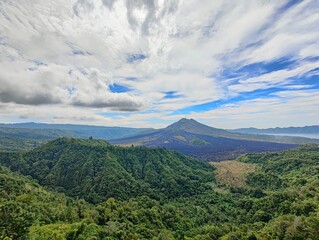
(89, 189)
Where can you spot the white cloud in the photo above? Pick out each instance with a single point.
(286, 108)
(272, 79)
(65, 54)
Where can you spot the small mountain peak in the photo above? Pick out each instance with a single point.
(185, 124)
(185, 120)
(192, 126)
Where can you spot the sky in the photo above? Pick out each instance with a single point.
(148, 63)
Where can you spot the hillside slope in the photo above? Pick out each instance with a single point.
(24, 203)
(97, 170)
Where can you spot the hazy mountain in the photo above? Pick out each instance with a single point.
(207, 143)
(26, 136)
(81, 131)
(34, 133)
(307, 130)
(21, 139)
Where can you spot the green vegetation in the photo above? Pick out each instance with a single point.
(93, 190)
(198, 141)
(24, 203)
(97, 170)
(14, 144)
(24, 139)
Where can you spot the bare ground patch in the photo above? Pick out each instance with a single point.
(232, 173)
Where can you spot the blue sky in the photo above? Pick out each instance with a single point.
(148, 63)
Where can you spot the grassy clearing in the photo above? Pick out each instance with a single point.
(232, 173)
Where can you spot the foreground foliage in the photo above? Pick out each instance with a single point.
(180, 201)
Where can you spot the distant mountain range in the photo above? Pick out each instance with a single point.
(26, 136)
(307, 130)
(209, 144)
(186, 136)
(78, 131)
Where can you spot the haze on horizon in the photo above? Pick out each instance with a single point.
(149, 63)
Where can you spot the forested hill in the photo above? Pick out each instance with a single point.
(96, 170)
(278, 199)
(280, 170)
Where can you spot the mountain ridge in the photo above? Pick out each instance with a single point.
(78, 130)
(207, 143)
(186, 135)
(312, 129)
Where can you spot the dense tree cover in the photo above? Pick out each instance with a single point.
(283, 194)
(97, 170)
(15, 144)
(279, 201)
(23, 202)
(22, 139)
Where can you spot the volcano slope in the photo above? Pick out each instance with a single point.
(206, 143)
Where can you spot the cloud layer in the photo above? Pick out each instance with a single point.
(248, 63)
